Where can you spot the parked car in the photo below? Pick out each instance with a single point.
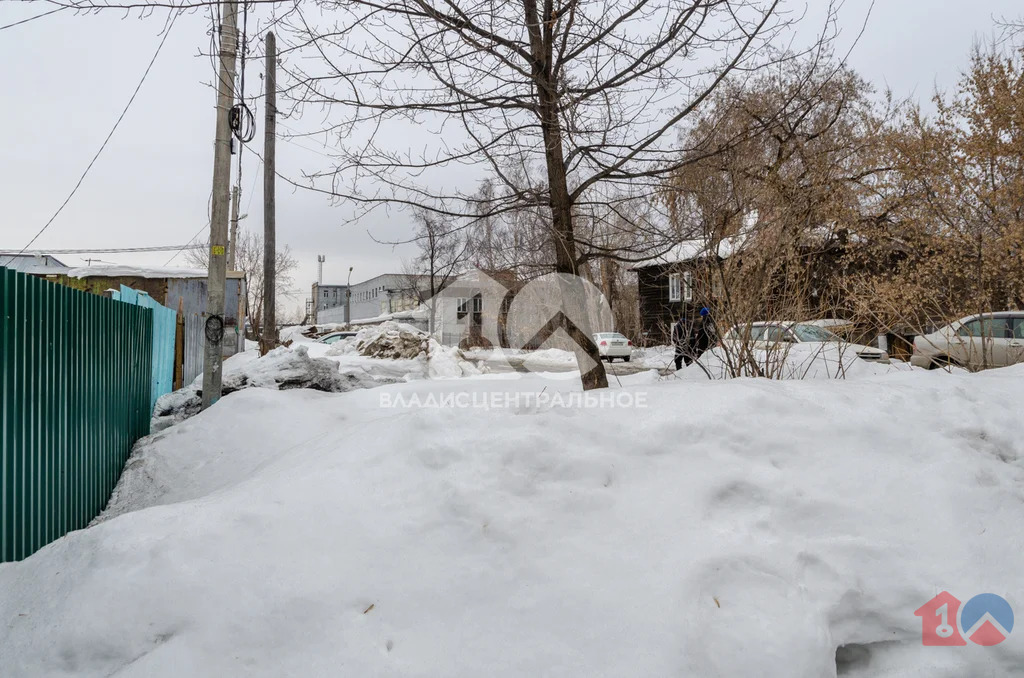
(772, 335)
(845, 329)
(612, 345)
(974, 342)
(335, 336)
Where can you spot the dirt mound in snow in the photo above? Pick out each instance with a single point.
(281, 369)
(399, 341)
(393, 341)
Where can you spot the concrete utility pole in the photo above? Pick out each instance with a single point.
(269, 337)
(233, 241)
(214, 330)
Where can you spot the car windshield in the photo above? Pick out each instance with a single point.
(331, 338)
(751, 332)
(610, 335)
(813, 333)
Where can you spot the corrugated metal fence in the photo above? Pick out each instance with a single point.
(164, 321)
(74, 397)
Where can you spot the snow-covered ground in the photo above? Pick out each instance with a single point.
(795, 361)
(719, 528)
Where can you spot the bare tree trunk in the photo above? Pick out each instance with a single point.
(541, 46)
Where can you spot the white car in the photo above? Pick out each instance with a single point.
(769, 335)
(974, 342)
(612, 345)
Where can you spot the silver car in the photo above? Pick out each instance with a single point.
(974, 342)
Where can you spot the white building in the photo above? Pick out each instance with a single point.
(382, 295)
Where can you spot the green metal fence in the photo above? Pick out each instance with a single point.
(74, 397)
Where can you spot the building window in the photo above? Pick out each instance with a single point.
(688, 286)
(674, 291)
(325, 294)
(467, 305)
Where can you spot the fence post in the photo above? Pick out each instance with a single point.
(179, 347)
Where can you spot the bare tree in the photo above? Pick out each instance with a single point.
(249, 260)
(775, 211)
(444, 252)
(567, 106)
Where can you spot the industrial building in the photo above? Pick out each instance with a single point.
(382, 295)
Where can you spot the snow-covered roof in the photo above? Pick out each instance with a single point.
(119, 271)
(690, 250)
(420, 313)
(34, 263)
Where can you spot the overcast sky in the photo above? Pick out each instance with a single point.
(66, 79)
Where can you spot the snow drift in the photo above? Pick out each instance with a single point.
(282, 368)
(779, 529)
(795, 361)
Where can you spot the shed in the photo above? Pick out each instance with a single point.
(35, 263)
(173, 287)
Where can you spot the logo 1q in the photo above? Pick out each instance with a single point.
(985, 619)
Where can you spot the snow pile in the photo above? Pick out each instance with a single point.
(447, 362)
(393, 341)
(797, 361)
(309, 333)
(655, 356)
(282, 368)
(554, 358)
(778, 529)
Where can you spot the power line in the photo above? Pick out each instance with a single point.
(32, 18)
(189, 245)
(108, 250)
(255, 178)
(167, 32)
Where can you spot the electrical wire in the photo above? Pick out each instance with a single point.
(242, 122)
(167, 32)
(240, 117)
(32, 18)
(109, 250)
(187, 245)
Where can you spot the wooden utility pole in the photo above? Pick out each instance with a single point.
(268, 339)
(233, 240)
(215, 283)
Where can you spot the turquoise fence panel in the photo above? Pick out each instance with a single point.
(75, 372)
(164, 325)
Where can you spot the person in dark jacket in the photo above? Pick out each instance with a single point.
(700, 335)
(680, 340)
(691, 339)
